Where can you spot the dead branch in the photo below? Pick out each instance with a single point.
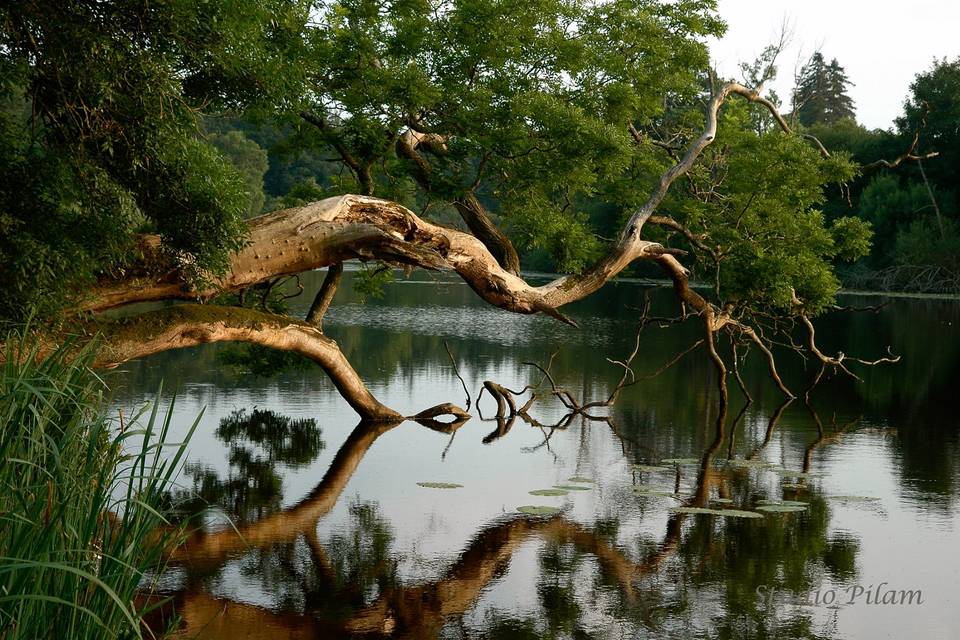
(456, 370)
(838, 361)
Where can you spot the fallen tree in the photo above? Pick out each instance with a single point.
(329, 232)
(577, 123)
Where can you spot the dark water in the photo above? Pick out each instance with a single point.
(338, 538)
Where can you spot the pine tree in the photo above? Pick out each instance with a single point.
(820, 96)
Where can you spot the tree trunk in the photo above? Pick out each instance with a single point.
(325, 296)
(331, 231)
(469, 207)
(478, 221)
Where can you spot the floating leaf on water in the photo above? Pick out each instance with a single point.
(794, 486)
(722, 500)
(571, 487)
(726, 513)
(795, 503)
(681, 461)
(855, 498)
(579, 479)
(650, 492)
(750, 464)
(739, 513)
(538, 510)
(649, 467)
(781, 508)
(548, 492)
(439, 485)
(787, 473)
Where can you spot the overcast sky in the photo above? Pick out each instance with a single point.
(882, 44)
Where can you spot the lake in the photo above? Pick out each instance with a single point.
(317, 527)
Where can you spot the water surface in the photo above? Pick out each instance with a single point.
(338, 539)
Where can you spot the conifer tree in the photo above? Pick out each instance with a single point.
(820, 96)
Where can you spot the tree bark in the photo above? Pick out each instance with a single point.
(469, 207)
(325, 296)
(347, 227)
(475, 215)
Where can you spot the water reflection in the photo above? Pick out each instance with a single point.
(364, 551)
(259, 442)
(349, 584)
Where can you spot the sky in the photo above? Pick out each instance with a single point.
(882, 44)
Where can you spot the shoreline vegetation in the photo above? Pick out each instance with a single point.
(846, 290)
(82, 499)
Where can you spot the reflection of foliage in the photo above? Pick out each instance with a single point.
(361, 558)
(261, 361)
(359, 564)
(557, 590)
(292, 442)
(840, 557)
(784, 555)
(254, 487)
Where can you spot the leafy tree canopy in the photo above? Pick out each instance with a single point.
(559, 116)
(98, 132)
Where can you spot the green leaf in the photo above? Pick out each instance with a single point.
(538, 510)
(548, 492)
(726, 513)
(439, 485)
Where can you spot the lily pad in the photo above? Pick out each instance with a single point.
(726, 513)
(538, 510)
(681, 461)
(781, 508)
(795, 503)
(750, 464)
(722, 500)
(439, 485)
(794, 486)
(654, 493)
(571, 487)
(787, 473)
(548, 492)
(649, 467)
(855, 498)
(579, 479)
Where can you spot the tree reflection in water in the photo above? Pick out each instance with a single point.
(348, 584)
(259, 443)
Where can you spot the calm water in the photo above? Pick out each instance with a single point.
(338, 539)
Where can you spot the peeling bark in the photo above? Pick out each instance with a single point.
(347, 227)
(469, 207)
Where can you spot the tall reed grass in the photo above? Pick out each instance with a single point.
(83, 502)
